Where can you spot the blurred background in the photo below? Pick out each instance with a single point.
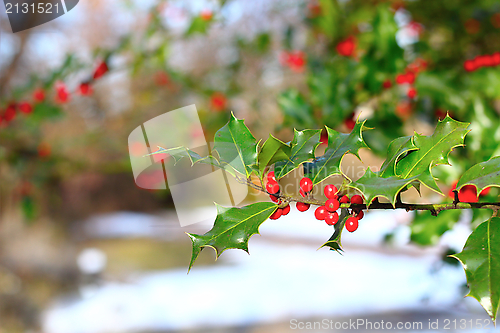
(84, 249)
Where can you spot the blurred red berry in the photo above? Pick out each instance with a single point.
(85, 89)
(347, 46)
(44, 150)
(440, 113)
(295, 60)
(101, 69)
(472, 26)
(218, 101)
(387, 84)
(350, 123)
(495, 20)
(314, 8)
(470, 65)
(25, 107)
(485, 191)
(10, 112)
(415, 28)
(496, 58)
(404, 110)
(62, 93)
(162, 79)
(206, 15)
(39, 95)
(412, 93)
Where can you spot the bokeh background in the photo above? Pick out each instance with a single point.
(84, 249)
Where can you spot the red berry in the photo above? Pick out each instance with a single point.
(350, 123)
(330, 191)
(295, 60)
(332, 205)
(101, 69)
(272, 187)
(44, 150)
(162, 79)
(85, 89)
(356, 199)
(344, 199)
(468, 193)
(351, 224)
(306, 184)
(302, 207)
(320, 213)
(218, 101)
(347, 46)
(62, 93)
(302, 194)
(270, 176)
(485, 191)
(39, 95)
(286, 210)
(273, 198)
(276, 215)
(412, 93)
(10, 112)
(206, 15)
(360, 215)
(25, 107)
(387, 84)
(332, 218)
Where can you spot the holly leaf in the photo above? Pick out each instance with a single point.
(303, 146)
(335, 243)
(236, 146)
(482, 175)
(427, 229)
(481, 260)
(273, 150)
(397, 148)
(232, 229)
(432, 150)
(371, 185)
(339, 144)
(178, 153)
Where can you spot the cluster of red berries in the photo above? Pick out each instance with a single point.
(295, 60)
(62, 95)
(273, 188)
(408, 77)
(482, 61)
(328, 212)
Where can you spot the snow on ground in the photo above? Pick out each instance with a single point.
(282, 279)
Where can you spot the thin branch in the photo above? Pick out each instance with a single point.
(435, 209)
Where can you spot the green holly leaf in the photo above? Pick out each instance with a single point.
(232, 229)
(178, 153)
(303, 146)
(432, 150)
(481, 260)
(273, 150)
(397, 148)
(335, 243)
(236, 146)
(482, 175)
(371, 185)
(427, 229)
(339, 144)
